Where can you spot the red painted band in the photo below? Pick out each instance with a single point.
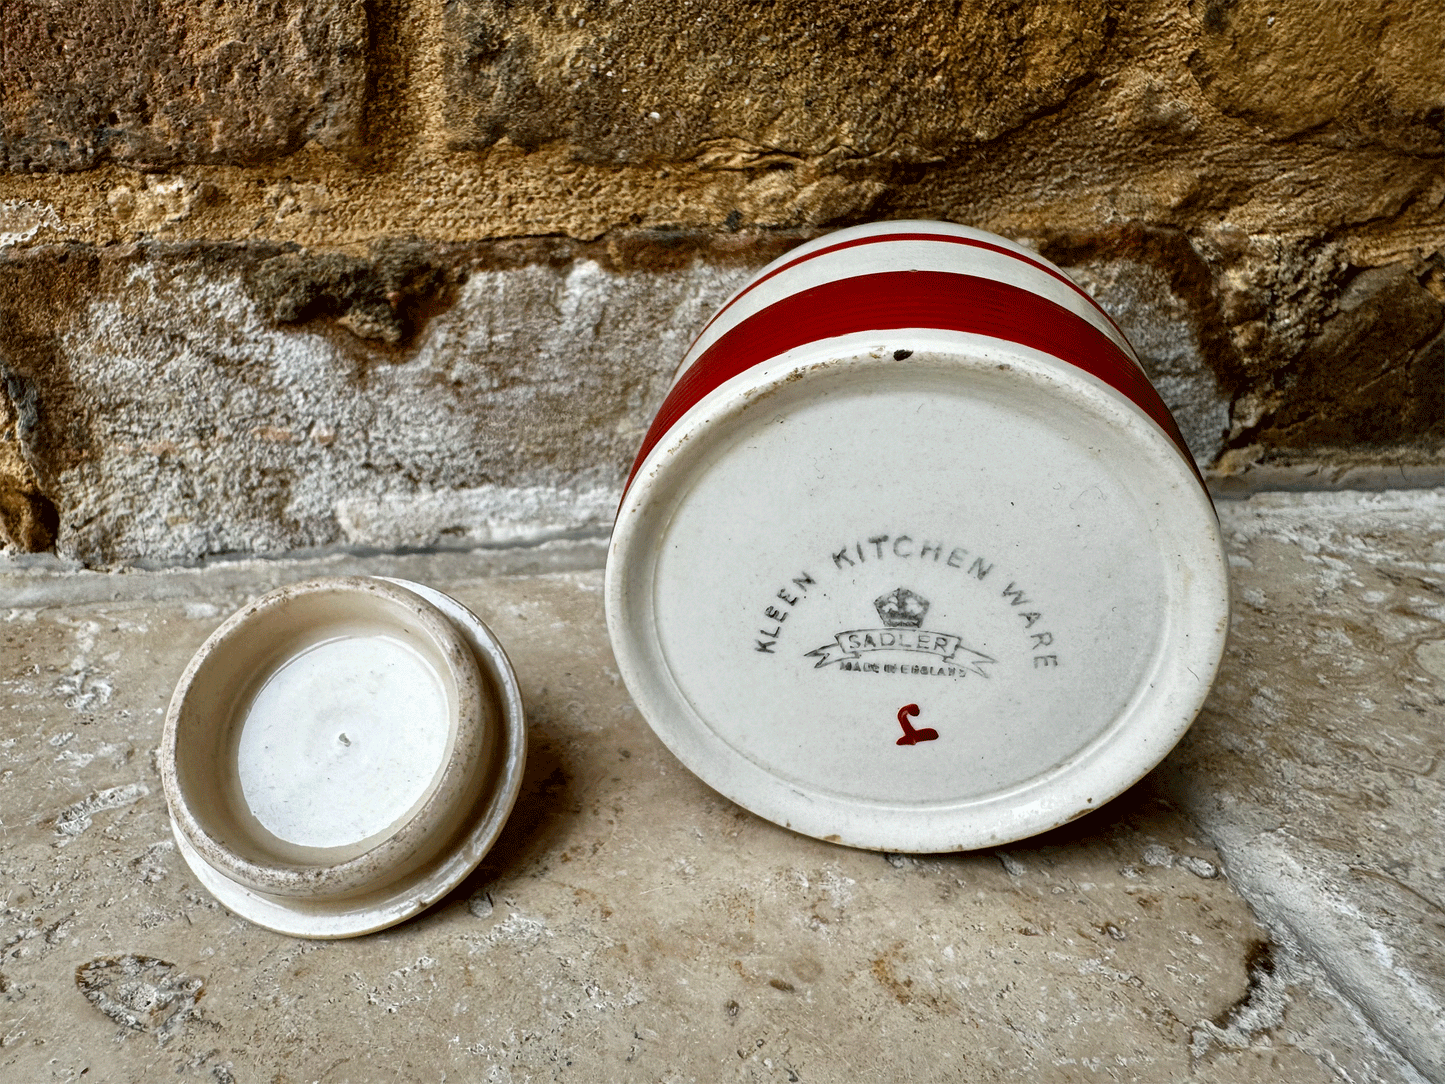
(946, 238)
(912, 299)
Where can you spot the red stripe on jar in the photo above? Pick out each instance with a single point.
(944, 238)
(893, 300)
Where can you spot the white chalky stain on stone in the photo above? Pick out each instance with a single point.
(21, 220)
(83, 691)
(1199, 867)
(151, 866)
(521, 930)
(117, 754)
(1155, 855)
(74, 819)
(398, 466)
(141, 993)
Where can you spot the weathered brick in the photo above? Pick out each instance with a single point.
(28, 519)
(754, 82)
(168, 82)
(174, 401)
(180, 401)
(1366, 72)
(1374, 375)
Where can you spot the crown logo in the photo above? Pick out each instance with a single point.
(901, 608)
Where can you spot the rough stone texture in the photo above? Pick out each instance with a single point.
(27, 518)
(1157, 290)
(1258, 191)
(169, 402)
(1368, 73)
(755, 84)
(259, 401)
(630, 924)
(1375, 373)
(1028, 118)
(152, 83)
(1315, 765)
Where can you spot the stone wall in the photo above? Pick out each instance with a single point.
(282, 274)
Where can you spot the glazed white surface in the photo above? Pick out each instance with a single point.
(342, 740)
(863, 517)
(1079, 506)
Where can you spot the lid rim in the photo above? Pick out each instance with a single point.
(453, 854)
(393, 849)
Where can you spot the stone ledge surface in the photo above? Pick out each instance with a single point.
(632, 925)
(1315, 766)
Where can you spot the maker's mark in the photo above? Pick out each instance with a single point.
(902, 612)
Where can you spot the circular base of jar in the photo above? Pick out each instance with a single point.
(917, 591)
(331, 917)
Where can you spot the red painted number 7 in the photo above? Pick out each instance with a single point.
(910, 735)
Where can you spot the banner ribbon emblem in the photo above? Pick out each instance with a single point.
(855, 642)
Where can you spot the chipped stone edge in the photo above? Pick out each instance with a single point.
(1325, 476)
(1300, 911)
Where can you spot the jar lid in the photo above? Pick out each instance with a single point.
(340, 753)
(913, 558)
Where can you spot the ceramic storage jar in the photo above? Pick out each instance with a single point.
(913, 557)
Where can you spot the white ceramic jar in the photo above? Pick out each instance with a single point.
(913, 557)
